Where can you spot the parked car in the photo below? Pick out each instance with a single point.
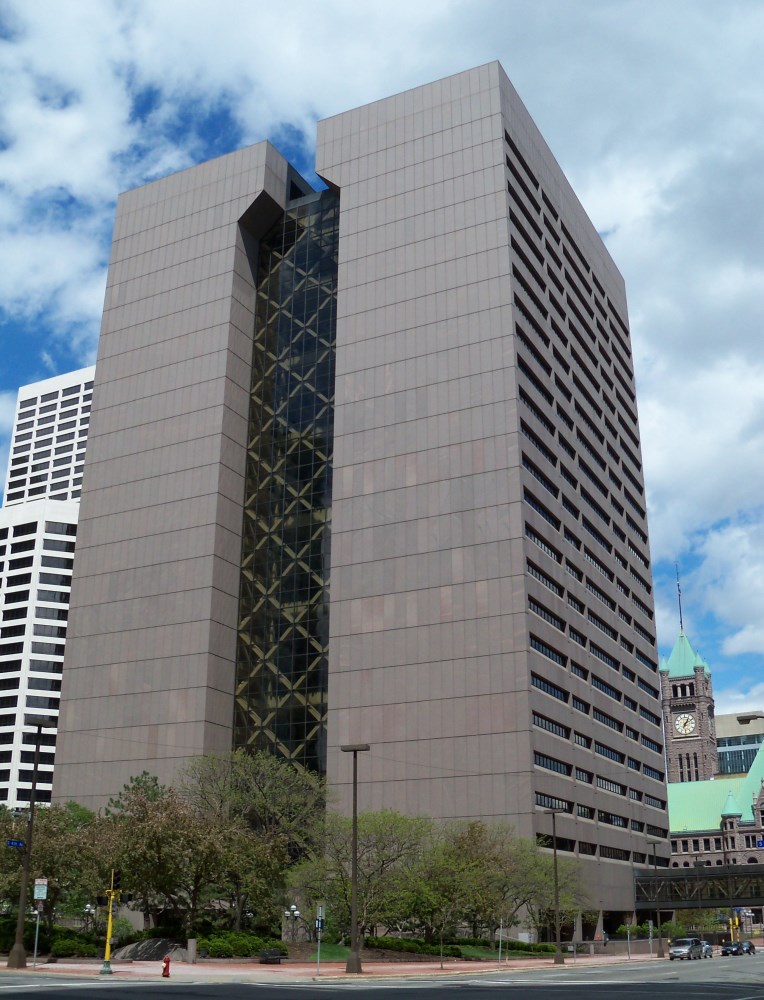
(707, 949)
(686, 948)
(739, 948)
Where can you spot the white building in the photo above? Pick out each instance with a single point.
(38, 527)
(49, 436)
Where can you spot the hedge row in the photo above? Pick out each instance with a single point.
(414, 946)
(237, 944)
(453, 948)
(73, 947)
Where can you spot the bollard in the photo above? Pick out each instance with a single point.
(166, 967)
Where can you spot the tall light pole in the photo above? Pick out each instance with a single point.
(654, 845)
(294, 915)
(17, 957)
(558, 956)
(354, 958)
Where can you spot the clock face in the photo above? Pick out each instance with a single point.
(685, 724)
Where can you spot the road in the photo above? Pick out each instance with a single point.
(718, 979)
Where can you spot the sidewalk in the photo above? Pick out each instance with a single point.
(227, 971)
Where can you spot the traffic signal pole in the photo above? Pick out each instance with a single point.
(112, 893)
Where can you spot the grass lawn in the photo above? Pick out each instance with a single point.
(339, 953)
(332, 952)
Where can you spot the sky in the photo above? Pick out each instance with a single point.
(653, 109)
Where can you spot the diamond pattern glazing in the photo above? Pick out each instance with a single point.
(283, 637)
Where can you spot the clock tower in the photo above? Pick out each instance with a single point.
(688, 714)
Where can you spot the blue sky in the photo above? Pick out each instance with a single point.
(653, 110)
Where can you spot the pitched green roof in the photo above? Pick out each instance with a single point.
(700, 805)
(731, 808)
(683, 659)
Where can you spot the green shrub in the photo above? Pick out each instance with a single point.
(471, 942)
(220, 948)
(413, 946)
(123, 931)
(510, 944)
(241, 943)
(72, 947)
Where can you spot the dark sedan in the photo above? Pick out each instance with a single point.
(739, 948)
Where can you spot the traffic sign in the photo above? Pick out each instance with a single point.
(15, 843)
(40, 888)
(760, 843)
(319, 923)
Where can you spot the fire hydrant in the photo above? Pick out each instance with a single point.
(166, 967)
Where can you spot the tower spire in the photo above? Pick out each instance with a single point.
(679, 597)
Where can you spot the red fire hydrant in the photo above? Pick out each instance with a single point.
(166, 967)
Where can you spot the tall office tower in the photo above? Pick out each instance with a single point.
(38, 527)
(365, 467)
(50, 432)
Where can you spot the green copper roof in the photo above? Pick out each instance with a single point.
(683, 659)
(731, 807)
(700, 805)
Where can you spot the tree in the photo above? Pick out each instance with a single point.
(275, 798)
(65, 852)
(573, 895)
(253, 875)
(451, 879)
(148, 841)
(272, 812)
(389, 847)
(69, 842)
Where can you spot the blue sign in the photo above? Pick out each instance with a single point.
(760, 843)
(15, 843)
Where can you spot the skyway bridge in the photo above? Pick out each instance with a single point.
(701, 887)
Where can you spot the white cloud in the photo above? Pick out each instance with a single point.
(653, 110)
(739, 700)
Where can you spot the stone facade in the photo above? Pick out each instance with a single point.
(688, 719)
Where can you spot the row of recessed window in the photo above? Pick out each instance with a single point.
(559, 623)
(35, 666)
(581, 739)
(552, 457)
(596, 682)
(580, 607)
(596, 592)
(555, 691)
(522, 267)
(561, 236)
(67, 395)
(54, 424)
(595, 534)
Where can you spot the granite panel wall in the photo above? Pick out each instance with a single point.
(488, 509)
(149, 671)
(427, 657)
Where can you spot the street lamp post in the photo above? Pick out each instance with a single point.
(17, 957)
(654, 845)
(354, 958)
(90, 915)
(293, 914)
(558, 956)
